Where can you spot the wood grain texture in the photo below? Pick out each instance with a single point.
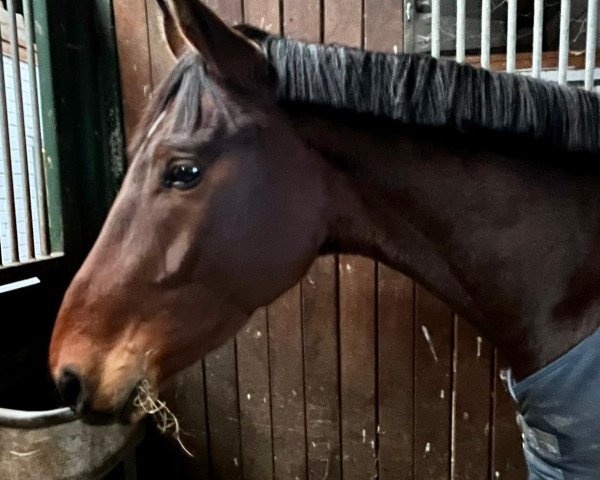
(320, 317)
(358, 367)
(255, 398)
(223, 414)
(287, 386)
(473, 394)
(396, 338)
(186, 398)
(134, 60)
(302, 19)
(384, 25)
(433, 387)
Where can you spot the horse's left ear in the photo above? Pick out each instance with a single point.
(226, 52)
(173, 36)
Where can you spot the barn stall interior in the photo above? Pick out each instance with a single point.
(357, 372)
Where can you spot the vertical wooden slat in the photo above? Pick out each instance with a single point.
(23, 154)
(486, 19)
(320, 315)
(538, 37)
(358, 367)
(396, 373)
(230, 11)
(287, 386)
(302, 19)
(8, 171)
(563, 47)
(511, 36)
(255, 398)
(472, 393)
(134, 60)
(186, 398)
(383, 25)
(461, 31)
(343, 22)
(507, 454)
(40, 176)
(263, 14)
(435, 28)
(590, 44)
(223, 413)
(433, 387)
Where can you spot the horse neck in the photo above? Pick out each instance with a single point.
(508, 242)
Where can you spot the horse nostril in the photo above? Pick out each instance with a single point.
(71, 388)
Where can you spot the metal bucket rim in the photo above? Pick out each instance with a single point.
(41, 419)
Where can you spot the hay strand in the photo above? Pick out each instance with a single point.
(147, 401)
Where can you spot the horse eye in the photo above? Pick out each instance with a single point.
(182, 175)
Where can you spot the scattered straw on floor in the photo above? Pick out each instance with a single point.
(148, 402)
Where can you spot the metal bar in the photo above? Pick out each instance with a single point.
(511, 37)
(590, 44)
(14, 45)
(486, 22)
(563, 49)
(461, 17)
(538, 36)
(37, 134)
(8, 170)
(435, 28)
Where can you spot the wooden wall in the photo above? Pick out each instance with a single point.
(356, 371)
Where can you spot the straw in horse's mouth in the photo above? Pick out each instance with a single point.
(147, 401)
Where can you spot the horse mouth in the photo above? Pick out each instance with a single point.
(127, 414)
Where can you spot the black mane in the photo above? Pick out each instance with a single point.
(409, 88)
(421, 90)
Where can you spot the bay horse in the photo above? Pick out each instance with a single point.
(259, 153)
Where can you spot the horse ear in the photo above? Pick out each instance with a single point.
(226, 52)
(173, 36)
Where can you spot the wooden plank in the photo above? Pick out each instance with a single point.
(508, 460)
(255, 398)
(230, 11)
(161, 59)
(358, 367)
(433, 387)
(396, 371)
(185, 396)
(287, 386)
(474, 358)
(319, 311)
(264, 14)
(343, 22)
(302, 19)
(134, 60)
(223, 413)
(384, 25)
